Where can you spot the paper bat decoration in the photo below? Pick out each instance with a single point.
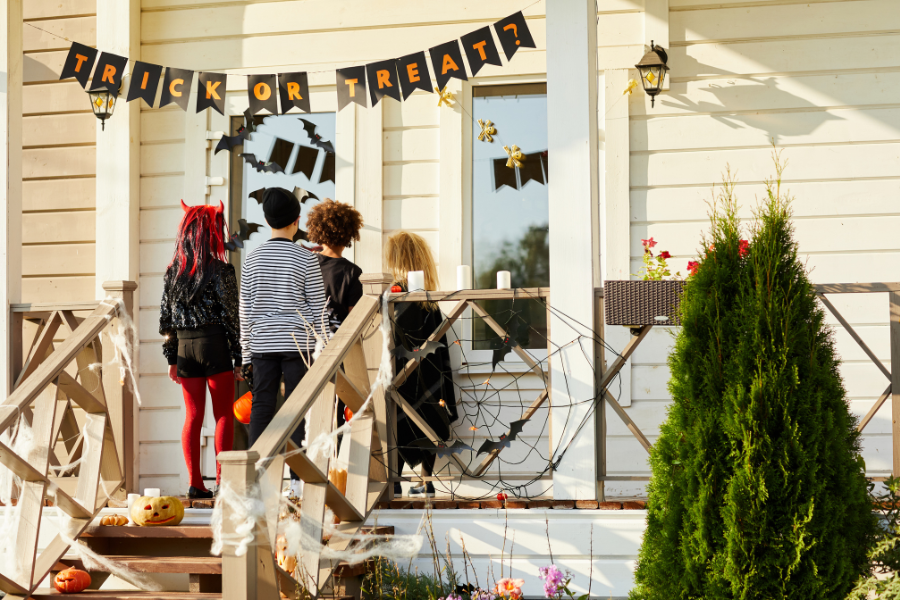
(257, 195)
(237, 239)
(259, 165)
(440, 450)
(228, 142)
(303, 195)
(418, 352)
(507, 344)
(515, 428)
(300, 235)
(316, 139)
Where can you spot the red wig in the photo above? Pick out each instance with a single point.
(200, 242)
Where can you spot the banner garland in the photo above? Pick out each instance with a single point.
(394, 78)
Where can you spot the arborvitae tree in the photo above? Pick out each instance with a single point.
(758, 487)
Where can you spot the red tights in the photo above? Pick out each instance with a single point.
(221, 389)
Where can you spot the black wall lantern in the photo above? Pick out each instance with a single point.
(103, 103)
(653, 71)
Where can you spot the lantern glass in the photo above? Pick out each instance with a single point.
(103, 103)
(653, 71)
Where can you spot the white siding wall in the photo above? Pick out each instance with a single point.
(817, 78)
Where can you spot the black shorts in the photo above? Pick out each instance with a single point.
(203, 352)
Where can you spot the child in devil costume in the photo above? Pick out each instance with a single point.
(199, 322)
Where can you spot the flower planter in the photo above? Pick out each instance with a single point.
(641, 302)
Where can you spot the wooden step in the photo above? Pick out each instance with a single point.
(127, 595)
(202, 565)
(134, 531)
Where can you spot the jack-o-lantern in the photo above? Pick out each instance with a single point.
(161, 510)
(242, 408)
(114, 520)
(71, 581)
(286, 561)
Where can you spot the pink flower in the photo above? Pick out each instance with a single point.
(744, 248)
(665, 255)
(510, 588)
(648, 243)
(692, 267)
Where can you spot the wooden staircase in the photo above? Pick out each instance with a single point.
(183, 549)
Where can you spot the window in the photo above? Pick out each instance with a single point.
(510, 212)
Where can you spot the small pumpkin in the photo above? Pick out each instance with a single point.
(114, 520)
(71, 581)
(242, 408)
(160, 510)
(284, 560)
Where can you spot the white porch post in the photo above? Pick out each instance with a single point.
(10, 182)
(574, 239)
(118, 154)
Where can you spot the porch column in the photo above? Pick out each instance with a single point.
(118, 153)
(10, 185)
(574, 241)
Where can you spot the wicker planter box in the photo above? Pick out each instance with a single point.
(640, 302)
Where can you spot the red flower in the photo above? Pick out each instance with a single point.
(648, 243)
(665, 254)
(502, 497)
(692, 267)
(744, 248)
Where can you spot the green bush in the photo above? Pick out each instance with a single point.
(758, 487)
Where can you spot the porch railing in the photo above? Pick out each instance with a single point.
(52, 377)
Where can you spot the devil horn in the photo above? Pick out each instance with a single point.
(221, 209)
(185, 206)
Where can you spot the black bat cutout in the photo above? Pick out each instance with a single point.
(515, 428)
(237, 239)
(441, 449)
(228, 142)
(300, 235)
(257, 195)
(259, 165)
(418, 352)
(304, 195)
(315, 138)
(507, 344)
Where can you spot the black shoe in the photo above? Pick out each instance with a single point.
(398, 489)
(426, 490)
(195, 494)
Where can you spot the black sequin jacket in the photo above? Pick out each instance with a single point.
(217, 304)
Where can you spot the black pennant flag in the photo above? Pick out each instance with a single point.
(480, 49)
(261, 92)
(306, 161)
(281, 152)
(503, 175)
(109, 72)
(211, 91)
(294, 91)
(413, 71)
(176, 87)
(383, 81)
(513, 34)
(327, 168)
(545, 155)
(531, 169)
(144, 82)
(79, 63)
(351, 86)
(447, 62)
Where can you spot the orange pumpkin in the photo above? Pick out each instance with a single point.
(156, 511)
(242, 408)
(71, 581)
(118, 520)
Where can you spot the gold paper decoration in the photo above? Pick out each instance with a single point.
(487, 130)
(445, 97)
(515, 157)
(632, 84)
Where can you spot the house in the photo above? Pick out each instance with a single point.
(817, 78)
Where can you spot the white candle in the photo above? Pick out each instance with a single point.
(463, 277)
(132, 498)
(504, 280)
(152, 492)
(415, 281)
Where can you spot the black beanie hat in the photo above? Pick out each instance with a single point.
(280, 207)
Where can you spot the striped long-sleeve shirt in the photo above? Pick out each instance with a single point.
(280, 281)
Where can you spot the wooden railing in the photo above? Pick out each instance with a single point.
(52, 377)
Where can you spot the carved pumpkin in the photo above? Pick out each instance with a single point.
(284, 560)
(162, 510)
(242, 408)
(71, 581)
(114, 520)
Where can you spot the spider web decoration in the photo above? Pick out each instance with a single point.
(496, 406)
